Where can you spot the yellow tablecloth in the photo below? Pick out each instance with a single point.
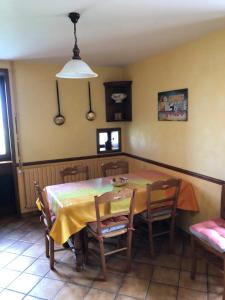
(73, 203)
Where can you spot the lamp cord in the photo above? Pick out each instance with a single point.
(76, 50)
(75, 33)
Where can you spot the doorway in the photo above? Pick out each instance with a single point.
(8, 178)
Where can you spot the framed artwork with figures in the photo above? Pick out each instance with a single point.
(173, 105)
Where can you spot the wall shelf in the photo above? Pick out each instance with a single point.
(118, 112)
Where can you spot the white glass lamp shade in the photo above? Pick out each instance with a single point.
(76, 68)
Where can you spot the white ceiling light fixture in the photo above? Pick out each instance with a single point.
(76, 67)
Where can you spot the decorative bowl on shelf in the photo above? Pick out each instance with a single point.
(118, 97)
(119, 181)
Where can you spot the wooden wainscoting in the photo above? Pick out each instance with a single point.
(49, 174)
(207, 189)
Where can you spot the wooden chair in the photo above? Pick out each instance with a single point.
(161, 209)
(113, 224)
(71, 174)
(48, 219)
(114, 168)
(209, 235)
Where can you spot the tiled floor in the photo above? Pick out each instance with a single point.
(25, 274)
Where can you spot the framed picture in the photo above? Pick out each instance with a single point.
(173, 105)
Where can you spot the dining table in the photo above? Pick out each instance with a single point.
(73, 203)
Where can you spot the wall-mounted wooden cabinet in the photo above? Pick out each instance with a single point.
(118, 101)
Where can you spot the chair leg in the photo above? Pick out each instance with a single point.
(78, 251)
(46, 245)
(194, 258)
(224, 278)
(103, 263)
(52, 258)
(118, 242)
(150, 237)
(85, 246)
(129, 249)
(172, 233)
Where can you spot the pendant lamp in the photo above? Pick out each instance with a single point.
(76, 67)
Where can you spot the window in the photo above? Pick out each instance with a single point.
(108, 140)
(4, 129)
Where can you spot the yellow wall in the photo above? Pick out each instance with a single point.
(5, 64)
(198, 144)
(40, 138)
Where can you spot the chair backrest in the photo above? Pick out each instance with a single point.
(114, 168)
(76, 173)
(222, 209)
(46, 215)
(162, 197)
(115, 204)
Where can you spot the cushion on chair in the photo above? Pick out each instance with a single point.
(211, 231)
(110, 224)
(160, 215)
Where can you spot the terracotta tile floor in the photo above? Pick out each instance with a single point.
(25, 273)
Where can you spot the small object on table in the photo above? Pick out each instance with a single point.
(119, 181)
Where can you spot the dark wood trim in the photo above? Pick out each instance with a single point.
(51, 161)
(118, 83)
(173, 168)
(5, 74)
(177, 169)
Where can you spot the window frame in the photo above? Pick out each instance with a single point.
(109, 132)
(5, 115)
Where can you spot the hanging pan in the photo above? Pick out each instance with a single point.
(58, 119)
(90, 115)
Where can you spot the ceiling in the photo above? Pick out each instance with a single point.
(110, 32)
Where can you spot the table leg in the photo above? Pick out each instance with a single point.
(78, 251)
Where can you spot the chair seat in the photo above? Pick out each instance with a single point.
(211, 231)
(157, 216)
(110, 225)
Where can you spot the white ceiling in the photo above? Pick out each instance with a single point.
(110, 32)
